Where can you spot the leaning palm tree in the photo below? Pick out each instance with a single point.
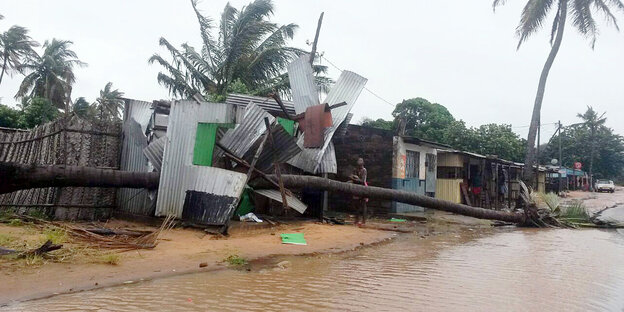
(15, 45)
(51, 74)
(593, 122)
(247, 48)
(82, 108)
(109, 103)
(532, 19)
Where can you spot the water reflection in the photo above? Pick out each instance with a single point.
(554, 270)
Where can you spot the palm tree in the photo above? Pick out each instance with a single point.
(82, 108)
(51, 74)
(531, 20)
(15, 46)
(248, 48)
(109, 103)
(593, 122)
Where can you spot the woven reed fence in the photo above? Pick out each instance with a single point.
(66, 141)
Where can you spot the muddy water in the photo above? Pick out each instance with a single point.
(522, 270)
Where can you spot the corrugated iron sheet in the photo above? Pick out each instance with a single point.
(285, 148)
(328, 163)
(140, 111)
(240, 139)
(136, 118)
(302, 84)
(268, 104)
(293, 202)
(154, 152)
(347, 89)
(342, 129)
(178, 151)
(211, 194)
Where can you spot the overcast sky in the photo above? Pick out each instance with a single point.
(457, 53)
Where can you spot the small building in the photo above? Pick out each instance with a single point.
(397, 162)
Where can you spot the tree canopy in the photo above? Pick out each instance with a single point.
(247, 48)
(432, 121)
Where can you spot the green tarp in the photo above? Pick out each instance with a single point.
(205, 138)
(397, 220)
(289, 125)
(293, 238)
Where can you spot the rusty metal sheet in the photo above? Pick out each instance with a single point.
(240, 139)
(302, 84)
(347, 89)
(316, 121)
(293, 202)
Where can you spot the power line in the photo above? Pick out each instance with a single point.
(365, 88)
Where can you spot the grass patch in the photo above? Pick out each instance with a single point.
(236, 260)
(7, 240)
(575, 211)
(34, 260)
(16, 222)
(112, 259)
(56, 235)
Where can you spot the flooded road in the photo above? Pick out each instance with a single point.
(482, 270)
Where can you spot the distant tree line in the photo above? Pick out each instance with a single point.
(431, 121)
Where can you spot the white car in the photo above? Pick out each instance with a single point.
(605, 186)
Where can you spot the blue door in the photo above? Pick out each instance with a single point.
(411, 182)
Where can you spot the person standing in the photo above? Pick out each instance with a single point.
(359, 177)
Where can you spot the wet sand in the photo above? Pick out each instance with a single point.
(181, 251)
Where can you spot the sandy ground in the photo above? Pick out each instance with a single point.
(179, 251)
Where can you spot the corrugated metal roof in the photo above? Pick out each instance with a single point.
(347, 89)
(211, 194)
(302, 84)
(154, 152)
(178, 151)
(240, 139)
(342, 129)
(134, 201)
(140, 111)
(268, 104)
(328, 163)
(293, 202)
(285, 148)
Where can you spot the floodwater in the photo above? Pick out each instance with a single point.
(482, 270)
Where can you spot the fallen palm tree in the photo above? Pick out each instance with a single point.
(530, 216)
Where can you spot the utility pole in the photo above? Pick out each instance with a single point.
(560, 155)
(318, 30)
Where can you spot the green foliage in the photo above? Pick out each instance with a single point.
(56, 235)
(236, 260)
(109, 104)
(575, 211)
(15, 47)
(245, 48)
(380, 123)
(112, 259)
(83, 109)
(10, 118)
(432, 121)
(577, 142)
(551, 200)
(37, 112)
(50, 75)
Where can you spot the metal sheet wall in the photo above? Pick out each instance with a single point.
(302, 84)
(178, 153)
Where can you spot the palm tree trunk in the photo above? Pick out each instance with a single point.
(298, 182)
(529, 160)
(591, 159)
(19, 176)
(3, 67)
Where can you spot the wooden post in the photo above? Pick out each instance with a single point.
(278, 172)
(318, 30)
(509, 187)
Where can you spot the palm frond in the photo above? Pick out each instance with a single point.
(532, 17)
(583, 20)
(604, 8)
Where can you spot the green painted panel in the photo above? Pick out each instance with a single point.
(289, 125)
(205, 138)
